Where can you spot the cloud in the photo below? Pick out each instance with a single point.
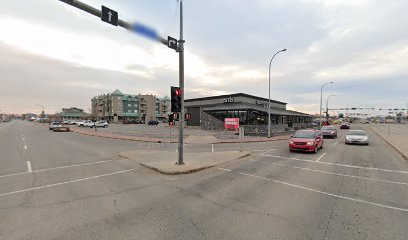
(360, 45)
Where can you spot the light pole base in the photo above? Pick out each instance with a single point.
(177, 163)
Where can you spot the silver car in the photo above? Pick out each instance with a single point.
(356, 137)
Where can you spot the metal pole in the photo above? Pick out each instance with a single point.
(320, 115)
(327, 107)
(321, 96)
(181, 86)
(269, 93)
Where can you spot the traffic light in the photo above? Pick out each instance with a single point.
(175, 116)
(187, 116)
(176, 99)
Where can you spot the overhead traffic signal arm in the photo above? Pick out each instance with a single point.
(98, 13)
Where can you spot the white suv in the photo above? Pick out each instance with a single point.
(87, 123)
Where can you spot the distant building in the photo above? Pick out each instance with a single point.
(119, 107)
(73, 113)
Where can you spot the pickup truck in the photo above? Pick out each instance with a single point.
(58, 127)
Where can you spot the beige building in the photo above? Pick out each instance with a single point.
(120, 107)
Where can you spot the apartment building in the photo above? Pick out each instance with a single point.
(119, 107)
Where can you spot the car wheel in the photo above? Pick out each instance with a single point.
(105, 126)
(321, 146)
(315, 149)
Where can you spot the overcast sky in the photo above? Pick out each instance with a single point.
(58, 56)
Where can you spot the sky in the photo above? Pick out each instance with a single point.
(55, 55)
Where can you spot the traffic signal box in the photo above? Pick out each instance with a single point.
(176, 99)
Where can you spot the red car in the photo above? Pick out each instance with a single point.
(306, 140)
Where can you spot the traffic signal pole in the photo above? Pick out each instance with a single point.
(150, 33)
(180, 160)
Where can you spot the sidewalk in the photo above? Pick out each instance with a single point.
(395, 135)
(165, 162)
(189, 139)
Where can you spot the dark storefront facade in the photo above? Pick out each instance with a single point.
(252, 111)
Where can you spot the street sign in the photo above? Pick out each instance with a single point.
(109, 16)
(172, 43)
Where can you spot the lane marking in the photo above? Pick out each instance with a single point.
(23, 139)
(212, 147)
(63, 183)
(25, 147)
(318, 160)
(29, 168)
(55, 168)
(331, 173)
(340, 165)
(321, 192)
(270, 150)
(335, 143)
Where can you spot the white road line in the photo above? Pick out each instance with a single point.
(29, 169)
(25, 147)
(318, 160)
(63, 183)
(23, 139)
(270, 150)
(331, 173)
(321, 192)
(335, 143)
(55, 168)
(212, 147)
(340, 165)
(224, 169)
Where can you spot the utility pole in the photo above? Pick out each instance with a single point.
(181, 86)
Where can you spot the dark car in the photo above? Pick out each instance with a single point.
(345, 125)
(153, 122)
(306, 140)
(329, 131)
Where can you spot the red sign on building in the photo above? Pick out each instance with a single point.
(231, 123)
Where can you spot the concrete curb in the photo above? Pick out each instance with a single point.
(390, 144)
(129, 138)
(181, 172)
(255, 140)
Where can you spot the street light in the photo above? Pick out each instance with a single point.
(269, 93)
(43, 113)
(327, 106)
(321, 95)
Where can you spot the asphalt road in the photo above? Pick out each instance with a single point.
(70, 186)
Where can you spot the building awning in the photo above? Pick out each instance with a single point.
(242, 106)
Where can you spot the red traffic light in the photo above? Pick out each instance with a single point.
(178, 92)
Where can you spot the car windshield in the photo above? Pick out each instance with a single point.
(304, 134)
(359, 133)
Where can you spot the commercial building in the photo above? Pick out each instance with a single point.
(252, 111)
(119, 107)
(73, 113)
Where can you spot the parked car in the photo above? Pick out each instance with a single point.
(101, 123)
(153, 122)
(87, 123)
(58, 127)
(345, 125)
(329, 131)
(306, 140)
(356, 137)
